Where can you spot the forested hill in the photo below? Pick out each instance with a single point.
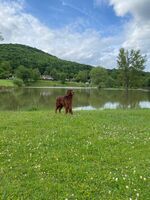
(29, 57)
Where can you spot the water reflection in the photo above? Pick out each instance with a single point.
(85, 99)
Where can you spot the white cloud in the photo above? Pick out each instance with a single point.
(138, 8)
(89, 46)
(86, 47)
(137, 30)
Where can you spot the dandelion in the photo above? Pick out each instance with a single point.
(137, 194)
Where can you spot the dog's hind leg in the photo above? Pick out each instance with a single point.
(60, 107)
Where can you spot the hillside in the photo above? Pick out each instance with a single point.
(18, 54)
(35, 63)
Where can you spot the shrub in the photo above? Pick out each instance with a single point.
(18, 82)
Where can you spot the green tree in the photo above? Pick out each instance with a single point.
(28, 75)
(62, 77)
(25, 74)
(130, 63)
(54, 74)
(82, 76)
(18, 82)
(5, 70)
(99, 76)
(35, 74)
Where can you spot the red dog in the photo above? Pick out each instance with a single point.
(65, 101)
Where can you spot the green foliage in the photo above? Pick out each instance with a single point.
(82, 76)
(54, 74)
(39, 63)
(5, 70)
(91, 155)
(18, 82)
(35, 74)
(30, 57)
(99, 76)
(130, 64)
(24, 74)
(44, 83)
(110, 82)
(146, 82)
(62, 77)
(27, 75)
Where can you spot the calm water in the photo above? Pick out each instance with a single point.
(87, 99)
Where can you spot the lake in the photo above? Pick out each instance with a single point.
(84, 98)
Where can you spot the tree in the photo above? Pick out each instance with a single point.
(99, 76)
(54, 74)
(24, 73)
(82, 76)
(130, 63)
(62, 77)
(35, 74)
(5, 69)
(27, 75)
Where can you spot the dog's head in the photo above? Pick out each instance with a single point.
(70, 92)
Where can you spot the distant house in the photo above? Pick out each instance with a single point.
(46, 77)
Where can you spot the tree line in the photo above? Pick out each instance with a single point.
(27, 65)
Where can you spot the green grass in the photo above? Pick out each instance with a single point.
(92, 155)
(6, 83)
(43, 83)
(46, 83)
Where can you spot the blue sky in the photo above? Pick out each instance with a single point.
(59, 13)
(86, 31)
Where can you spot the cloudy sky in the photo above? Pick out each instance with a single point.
(86, 31)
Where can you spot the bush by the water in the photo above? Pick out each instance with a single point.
(18, 82)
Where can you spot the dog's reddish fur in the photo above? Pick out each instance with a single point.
(65, 101)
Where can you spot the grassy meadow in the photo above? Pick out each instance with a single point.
(43, 83)
(92, 155)
(46, 83)
(6, 83)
